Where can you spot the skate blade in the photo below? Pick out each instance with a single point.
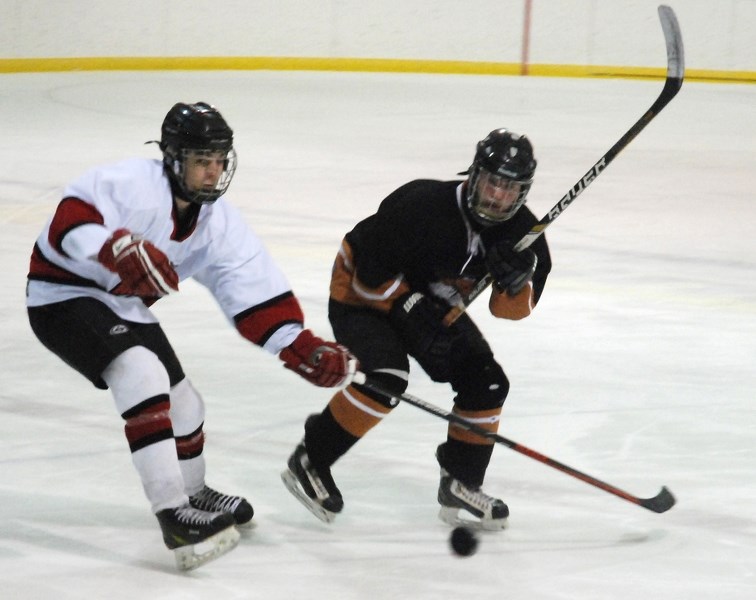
(451, 516)
(291, 483)
(196, 555)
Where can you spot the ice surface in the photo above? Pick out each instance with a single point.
(637, 366)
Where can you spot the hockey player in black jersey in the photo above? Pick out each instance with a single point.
(396, 277)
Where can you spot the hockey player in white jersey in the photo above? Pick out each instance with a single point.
(125, 235)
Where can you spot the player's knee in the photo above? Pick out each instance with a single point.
(480, 385)
(134, 376)
(187, 408)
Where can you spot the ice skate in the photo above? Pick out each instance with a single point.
(197, 536)
(316, 490)
(213, 501)
(484, 511)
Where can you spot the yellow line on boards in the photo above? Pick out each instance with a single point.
(386, 65)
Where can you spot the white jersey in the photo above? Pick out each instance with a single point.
(220, 251)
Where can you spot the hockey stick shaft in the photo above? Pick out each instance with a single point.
(660, 503)
(672, 85)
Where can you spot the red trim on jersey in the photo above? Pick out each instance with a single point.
(40, 268)
(184, 226)
(71, 213)
(260, 322)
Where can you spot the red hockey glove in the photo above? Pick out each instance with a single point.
(144, 270)
(325, 364)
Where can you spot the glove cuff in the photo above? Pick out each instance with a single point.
(405, 303)
(112, 247)
(303, 346)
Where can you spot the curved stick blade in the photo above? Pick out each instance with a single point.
(660, 503)
(673, 39)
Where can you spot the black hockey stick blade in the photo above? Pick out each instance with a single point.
(660, 503)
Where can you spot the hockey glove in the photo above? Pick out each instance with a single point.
(325, 364)
(419, 320)
(510, 270)
(144, 270)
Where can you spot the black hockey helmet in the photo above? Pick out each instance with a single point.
(197, 129)
(505, 161)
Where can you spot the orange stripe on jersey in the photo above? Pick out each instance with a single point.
(485, 419)
(504, 306)
(347, 288)
(356, 412)
(341, 277)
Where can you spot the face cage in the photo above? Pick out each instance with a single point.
(178, 164)
(484, 209)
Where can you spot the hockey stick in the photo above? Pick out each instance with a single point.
(672, 85)
(660, 503)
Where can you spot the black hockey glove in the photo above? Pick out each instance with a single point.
(419, 320)
(510, 270)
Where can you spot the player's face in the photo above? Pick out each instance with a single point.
(496, 195)
(203, 170)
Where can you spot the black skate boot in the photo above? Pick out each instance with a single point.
(313, 488)
(186, 528)
(213, 501)
(453, 495)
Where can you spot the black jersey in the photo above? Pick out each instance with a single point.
(422, 232)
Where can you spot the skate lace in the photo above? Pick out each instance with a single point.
(210, 499)
(474, 497)
(193, 516)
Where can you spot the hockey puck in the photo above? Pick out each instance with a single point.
(463, 541)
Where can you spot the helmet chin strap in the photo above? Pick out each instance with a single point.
(176, 191)
(463, 202)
